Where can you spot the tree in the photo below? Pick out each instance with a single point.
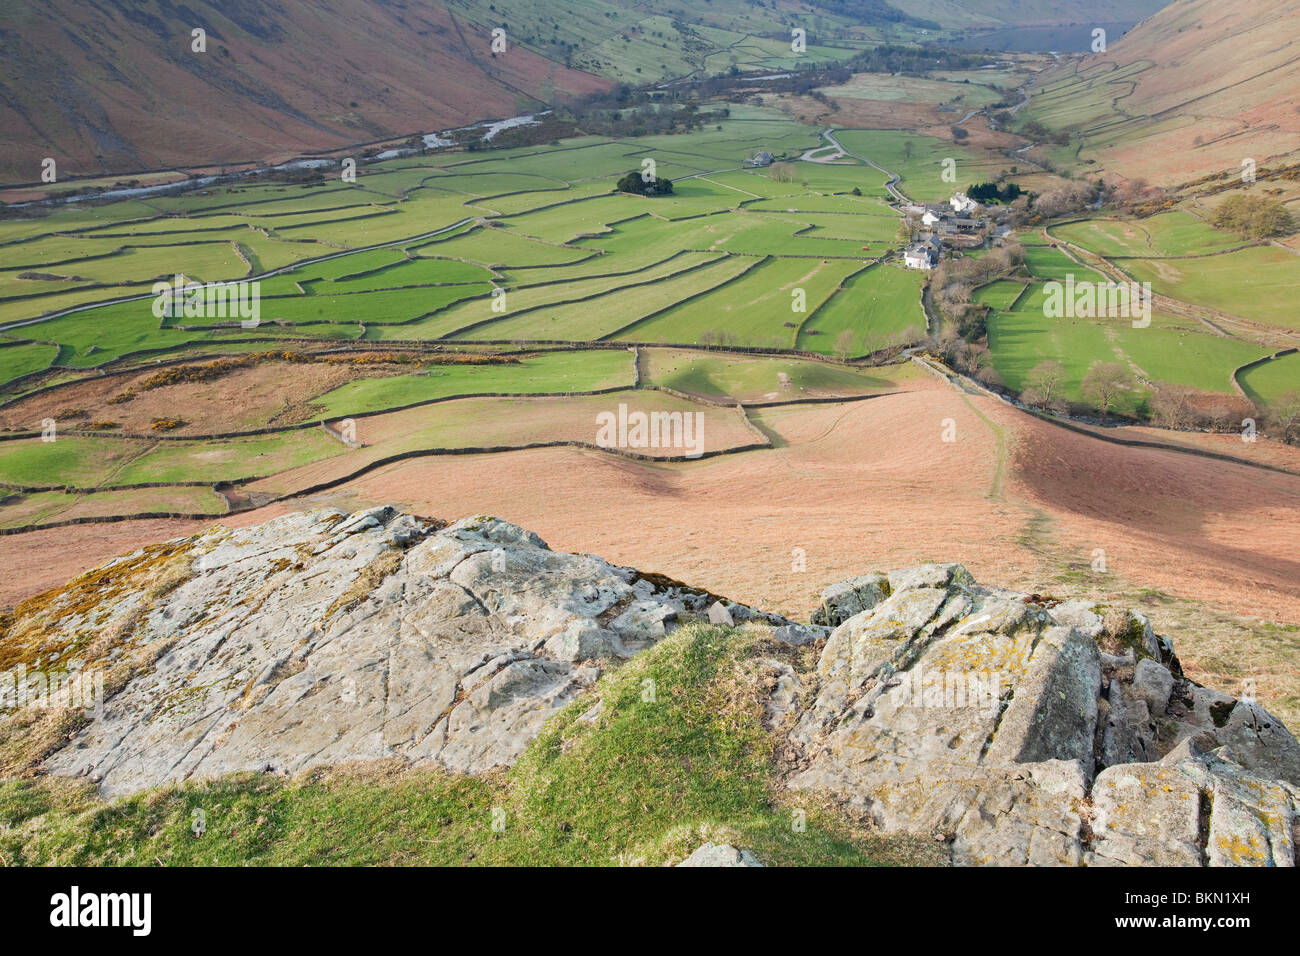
(844, 344)
(1253, 217)
(634, 183)
(781, 172)
(1043, 383)
(1104, 382)
(1285, 413)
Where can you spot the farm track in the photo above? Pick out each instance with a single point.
(1216, 322)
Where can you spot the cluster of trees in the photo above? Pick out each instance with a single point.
(1103, 385)
(624, 110)
(1253, 217)
(899, 58)
(634, 183)
(994, 192)
(953, 281)
(1041, 134)
(1067, 199)
(1177, 406)
(972, 358)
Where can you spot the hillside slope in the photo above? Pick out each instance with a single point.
(1195, 89)
(115, 87)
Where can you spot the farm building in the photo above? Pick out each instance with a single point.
(963, 203)
(924, 254)
(761, 158)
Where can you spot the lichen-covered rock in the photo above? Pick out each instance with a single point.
(982, 716)
(841, 601)
(322, 637)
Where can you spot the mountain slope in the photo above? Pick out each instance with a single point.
(1196, 89)
(110, 86)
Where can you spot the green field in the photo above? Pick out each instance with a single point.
(878, 306)
(541, 225)
(1168, 234)
(541, 374)
(919, 161)
(752, 379)
(1260, 283)
(1268, 382)
(1170, 350)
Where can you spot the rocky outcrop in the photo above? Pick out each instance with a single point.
(1012, 727)
(1026, 730)
(321, 637)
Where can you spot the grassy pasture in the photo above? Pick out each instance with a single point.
(545, 373)
(1268, 382)
(86, 462)
(16, 360)
(617, 309)
(757, 308)
(919, 160)
(758, 379)
(1175, 233)
(1260, 283)
(876, 305)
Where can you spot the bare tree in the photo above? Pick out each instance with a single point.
(1043, 383)
(844, 343)
(1104, 383)
(1285, 413)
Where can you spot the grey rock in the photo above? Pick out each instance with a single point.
(322, 637)
(718, 614)
(1153, 683)
(982, 716)
(800, 634)
(720, 854)
(841, 601)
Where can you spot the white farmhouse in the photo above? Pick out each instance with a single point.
(963, 203)
(923, 255)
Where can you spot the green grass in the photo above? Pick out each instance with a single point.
(645, 782)
(878, 306)
(1268, 382)
(16, 360)
(1000, 294)
(919, 160)
(546, 373)
(1196, 359)
(1261, 283)
(754, 309)
(606, 314)
(84, 461)
(78, 461)
(752, 379)
(1175, 233)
